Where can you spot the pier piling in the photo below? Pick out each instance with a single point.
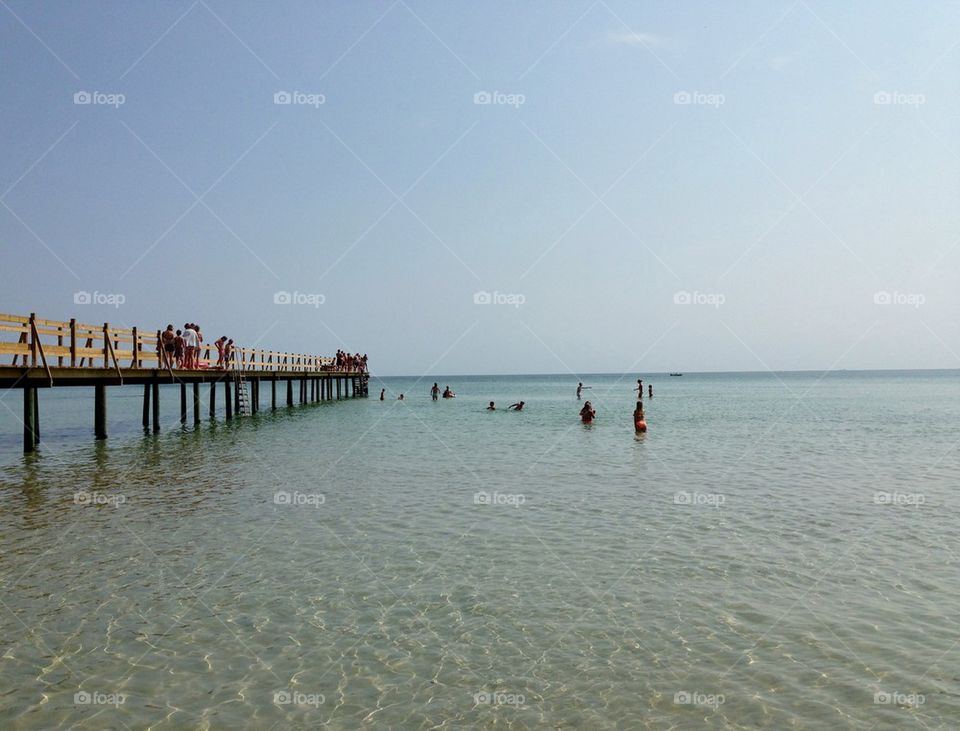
(183, 403)
(213, 400)
(228, 403)
(146, 405)
(155, 402)
(196, 403)
(100, 411)
(30, 436)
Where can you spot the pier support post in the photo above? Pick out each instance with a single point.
(30, 432)
(100, 411)
(155, 405)
(236, 399)
(338, 388)
(289, 392)
(183, 403)
(213, 400)
(196, 402)
(273, 394)
(146, 405)
(255, 396)
(228, 402)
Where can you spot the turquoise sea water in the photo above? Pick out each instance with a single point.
(778, 551)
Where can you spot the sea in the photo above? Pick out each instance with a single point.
(777, 551)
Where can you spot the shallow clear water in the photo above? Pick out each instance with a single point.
(439, 566)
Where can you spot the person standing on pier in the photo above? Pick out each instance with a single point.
(190, 345)
(168, 346)
(178, 348)
(220, 343)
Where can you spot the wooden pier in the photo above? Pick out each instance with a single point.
(54, 353)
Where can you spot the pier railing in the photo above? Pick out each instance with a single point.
(37, 342)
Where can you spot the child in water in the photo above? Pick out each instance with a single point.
(639, 421)
(491, 407)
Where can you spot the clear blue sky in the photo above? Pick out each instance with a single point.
(786, 191)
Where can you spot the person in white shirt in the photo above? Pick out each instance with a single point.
(190, 344)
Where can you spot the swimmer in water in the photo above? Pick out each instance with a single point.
(639, 388)
(639, 422)
(447, 393)
(400, 397)
(516, 407)
(382, 391)
(435, 392)
(588, 413)
(579, 389)
(650, 390)
(491, 407)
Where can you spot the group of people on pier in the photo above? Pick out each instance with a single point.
(182, 348)
(350, 362)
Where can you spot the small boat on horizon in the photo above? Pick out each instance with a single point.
(676, 374)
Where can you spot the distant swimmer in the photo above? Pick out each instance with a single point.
(650, 390)
(579, 389)
(588, 413)
(639, 388)
(435, 392)
(382, 391)
(516, 407)
(447, 393)
(491, 407)
(639, 422)
(400, 397)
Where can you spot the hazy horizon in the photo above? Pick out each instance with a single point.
(602, 187)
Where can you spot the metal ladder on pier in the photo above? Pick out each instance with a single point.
(243, 397)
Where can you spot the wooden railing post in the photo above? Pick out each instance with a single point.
(73, 342)
(59, 344)
(136, 349)
(106, 345)
(33, 339)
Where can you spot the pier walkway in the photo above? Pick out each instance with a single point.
(55, 353)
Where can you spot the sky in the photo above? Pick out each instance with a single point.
(461, 187)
